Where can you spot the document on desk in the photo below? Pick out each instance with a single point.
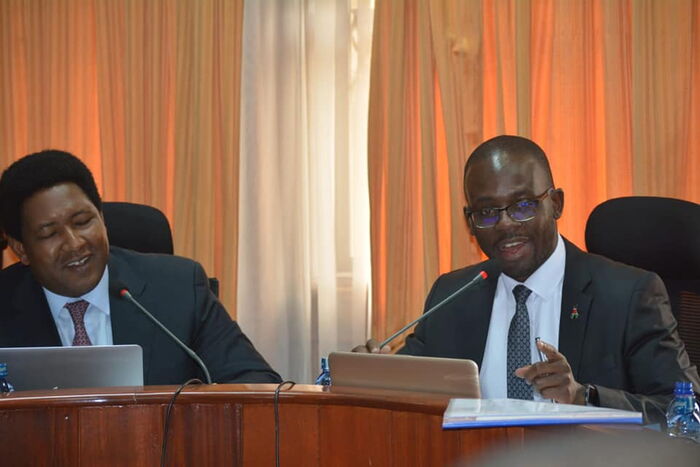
(477, 413)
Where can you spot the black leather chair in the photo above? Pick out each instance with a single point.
(141, 228)
(137, 227)
(660, 235)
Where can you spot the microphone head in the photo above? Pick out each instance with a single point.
(118, 288)
(490, 269)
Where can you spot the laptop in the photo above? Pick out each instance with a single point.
(454, 377)
(73, 367)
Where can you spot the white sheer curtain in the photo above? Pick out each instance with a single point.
(304, 255)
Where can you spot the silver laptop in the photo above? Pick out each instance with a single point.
(449, 376)
(73, 367)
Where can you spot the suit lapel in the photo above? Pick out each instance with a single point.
(32, 320)
(575, 307)
(129, 325)
(483, 306)
(478, 305)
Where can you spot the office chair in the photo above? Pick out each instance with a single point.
(137, 227)
(141, 228)
(660, 235)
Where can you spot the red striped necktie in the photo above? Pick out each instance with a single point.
(77, 312)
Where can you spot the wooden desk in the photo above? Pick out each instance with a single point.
(234, 425)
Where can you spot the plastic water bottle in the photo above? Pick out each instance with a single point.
(5, 386)
(683, 414)
(324, 379)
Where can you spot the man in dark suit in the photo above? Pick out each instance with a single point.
(60, 292)
(617, 340)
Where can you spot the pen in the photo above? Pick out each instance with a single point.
(542, 359)
(537, 341)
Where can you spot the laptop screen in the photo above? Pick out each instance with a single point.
(449, 376)
(73, 367)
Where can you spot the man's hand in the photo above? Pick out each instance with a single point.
(553, 378)
(372, 346)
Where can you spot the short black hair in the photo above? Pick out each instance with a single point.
(513, 145)
(36, 172)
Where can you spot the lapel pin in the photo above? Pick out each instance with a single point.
(574, 313)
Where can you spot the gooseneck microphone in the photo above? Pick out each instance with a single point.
(120, 290)
(479, 278)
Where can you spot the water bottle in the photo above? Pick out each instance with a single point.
(5, 386)
(683, 414)
(324, 379)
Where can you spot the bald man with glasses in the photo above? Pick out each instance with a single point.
(608, 336)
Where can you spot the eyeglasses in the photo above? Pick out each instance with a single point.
(520, 211)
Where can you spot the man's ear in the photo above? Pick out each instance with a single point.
(557, 197)
(18, 248)
(468, 219)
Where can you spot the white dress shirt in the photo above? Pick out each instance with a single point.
(98, 323)
(544, 310)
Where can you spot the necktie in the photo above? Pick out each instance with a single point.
(77, 312)
(519, 345)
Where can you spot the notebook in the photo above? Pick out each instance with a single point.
(449, 376)
(469, 413)
(73, 367)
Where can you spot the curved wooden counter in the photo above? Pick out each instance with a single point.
(234, 425)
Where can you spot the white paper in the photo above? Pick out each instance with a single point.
(473, 413)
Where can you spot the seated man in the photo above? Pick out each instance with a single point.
(60, 292)
(616, 343)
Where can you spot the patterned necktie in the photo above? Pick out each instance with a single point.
(519, 345)
(77, 312)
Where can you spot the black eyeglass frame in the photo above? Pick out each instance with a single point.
(538, 199)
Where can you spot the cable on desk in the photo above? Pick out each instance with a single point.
(166, 426)
(277, 418)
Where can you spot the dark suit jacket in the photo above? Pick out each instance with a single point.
(175, 290)
(624, 341)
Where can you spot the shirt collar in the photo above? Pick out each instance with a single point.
(97, 297)
(546, 279)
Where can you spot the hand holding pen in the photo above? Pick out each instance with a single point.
(539, 350)
(552, 376)
(542, 359)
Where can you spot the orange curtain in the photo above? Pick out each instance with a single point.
(147, 93)
(609, 89)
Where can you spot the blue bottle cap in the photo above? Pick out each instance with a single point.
(324, 379)
(3, 370)
(683, 387)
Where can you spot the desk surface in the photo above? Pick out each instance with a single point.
(234, 425)
(245, 393)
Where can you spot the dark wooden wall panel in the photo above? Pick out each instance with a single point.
(203, 435)
(352, 436)
(39, 437)
(419, 440)
(121, 435)
(64, 445)
(299, 435)
(258, 435)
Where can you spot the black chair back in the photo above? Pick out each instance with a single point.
(660, 235)
(141, 228)
(137, 227)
